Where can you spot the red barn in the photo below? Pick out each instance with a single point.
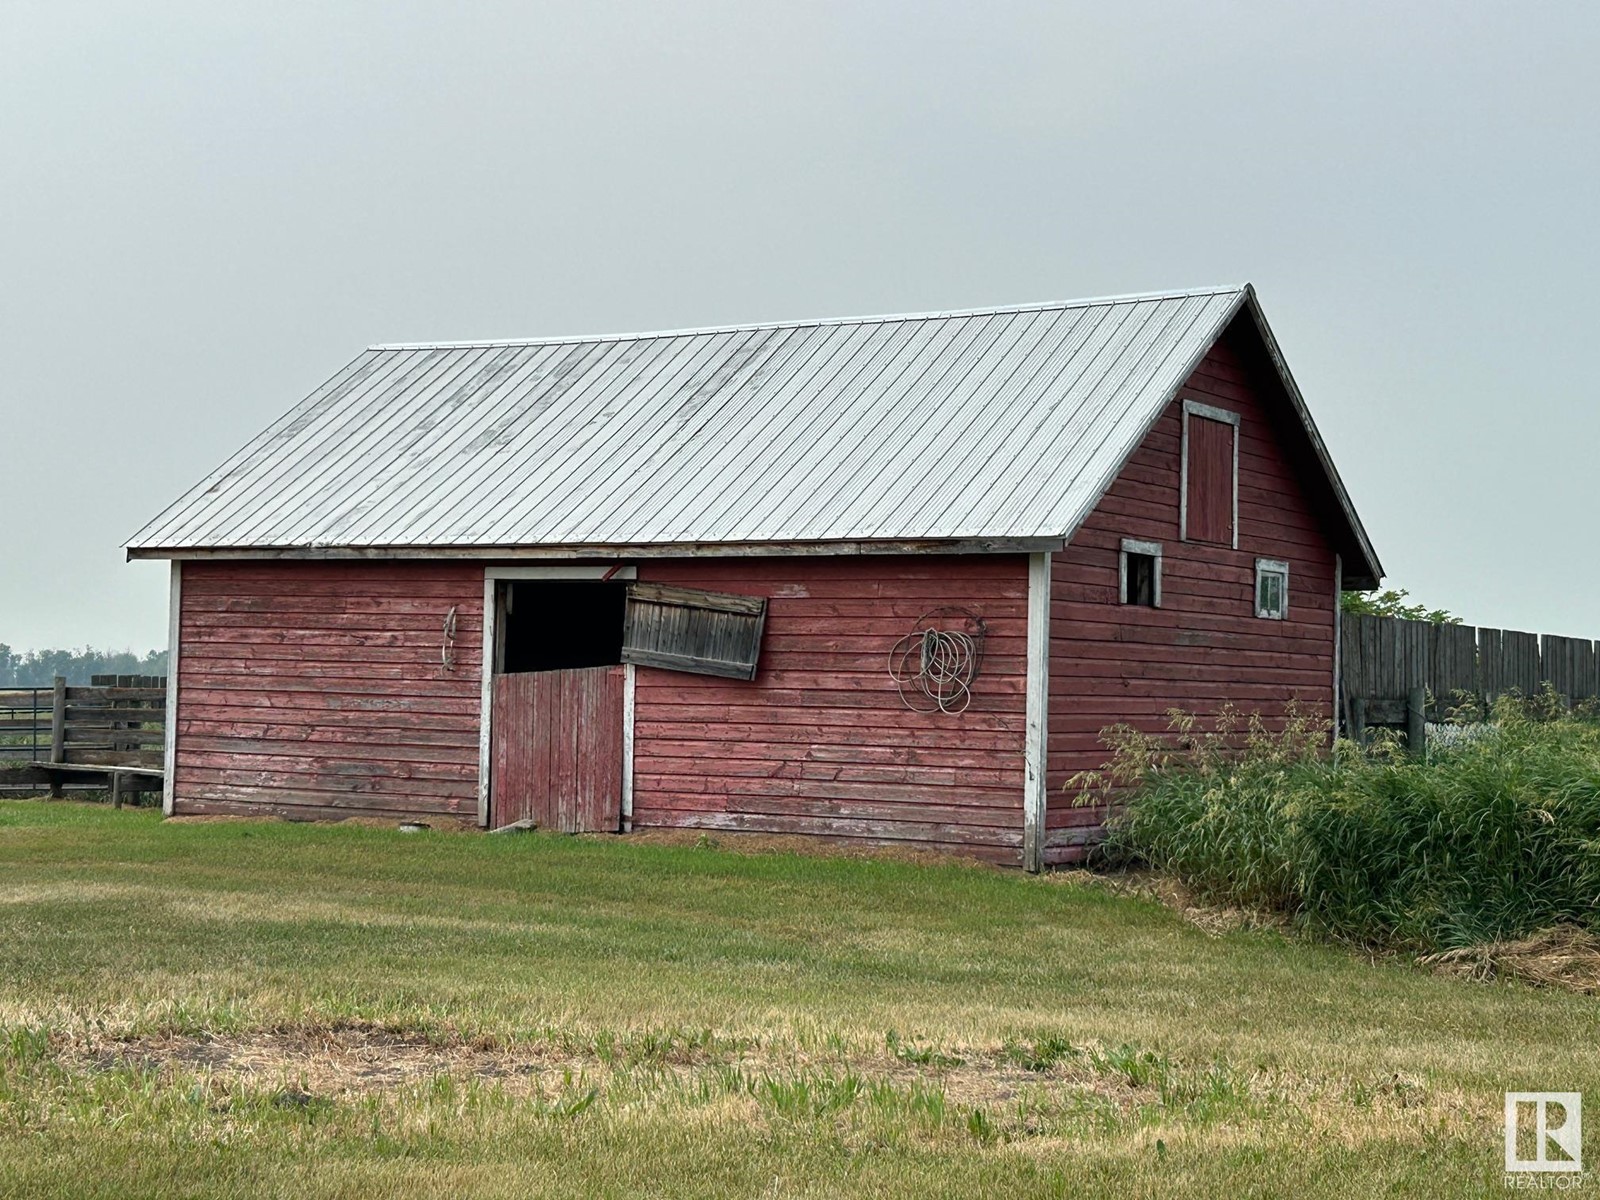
(883, 578)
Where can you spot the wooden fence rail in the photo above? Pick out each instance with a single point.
(113, 730)
(1385, 660)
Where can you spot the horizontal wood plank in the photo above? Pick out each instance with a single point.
(821, 740)
(320, 689)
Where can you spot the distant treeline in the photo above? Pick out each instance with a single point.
(39, 668)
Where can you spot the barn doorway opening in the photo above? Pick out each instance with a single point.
(561, 624)
(557, 707)
(556, 704)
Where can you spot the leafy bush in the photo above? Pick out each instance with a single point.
(1491, 838)
(1393, 603)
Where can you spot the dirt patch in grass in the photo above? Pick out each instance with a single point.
(327, 1061)
(1025, 1090)
(359, 1060)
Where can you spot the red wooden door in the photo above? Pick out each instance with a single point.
(1210, 497)
(557, 750)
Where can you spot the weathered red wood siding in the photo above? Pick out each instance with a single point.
(1204, 647)
(819, 742)
(318, 690)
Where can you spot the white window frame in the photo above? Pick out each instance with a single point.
(1209, 412)
(1265, 567)
(1134, 546)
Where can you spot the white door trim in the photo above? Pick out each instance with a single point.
(627, 746)
(169, 758)
(1035, 742)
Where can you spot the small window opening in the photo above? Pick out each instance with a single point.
(560, 624)
(1141, 573)
(1272, 589)
(1141, 580)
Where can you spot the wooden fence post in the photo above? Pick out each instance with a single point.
(1417, 722)
(1358, 720)
(58, 731)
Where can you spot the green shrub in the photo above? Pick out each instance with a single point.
(1492, 837)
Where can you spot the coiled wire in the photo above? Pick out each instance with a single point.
(935, 664)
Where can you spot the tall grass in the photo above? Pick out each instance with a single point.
(1490, 838)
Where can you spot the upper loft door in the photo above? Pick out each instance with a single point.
(1209, 504)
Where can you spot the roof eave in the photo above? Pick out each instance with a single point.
(609, 551)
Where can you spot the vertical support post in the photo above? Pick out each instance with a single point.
(116, 789)
(1338, 647)
(1358, 720)
(627, 746)
(169, 755)
(486, 669)
(58, 732)
(58, 721)
(1034, 798)
(1417, 722)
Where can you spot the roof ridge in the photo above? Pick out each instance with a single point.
(815, 322)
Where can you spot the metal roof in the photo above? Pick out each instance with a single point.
(999, 425)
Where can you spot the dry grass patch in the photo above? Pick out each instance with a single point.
(1171, 893)
(1015, 1082)
(353, 1060)
(1563, 957)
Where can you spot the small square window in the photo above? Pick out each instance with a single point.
(1139, 573)
(1272, 589)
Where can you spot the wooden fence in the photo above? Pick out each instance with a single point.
(25, 724)
(69, 736)
(1387, 661)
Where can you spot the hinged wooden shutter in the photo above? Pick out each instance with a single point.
(684, 629)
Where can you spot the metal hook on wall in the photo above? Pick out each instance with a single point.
(447, 649)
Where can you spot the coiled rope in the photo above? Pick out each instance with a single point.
(935, 664)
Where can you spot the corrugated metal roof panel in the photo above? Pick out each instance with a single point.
(991, 424)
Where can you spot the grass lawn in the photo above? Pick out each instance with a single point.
(241, 1008)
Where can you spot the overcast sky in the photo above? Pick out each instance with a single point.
(209, 208)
